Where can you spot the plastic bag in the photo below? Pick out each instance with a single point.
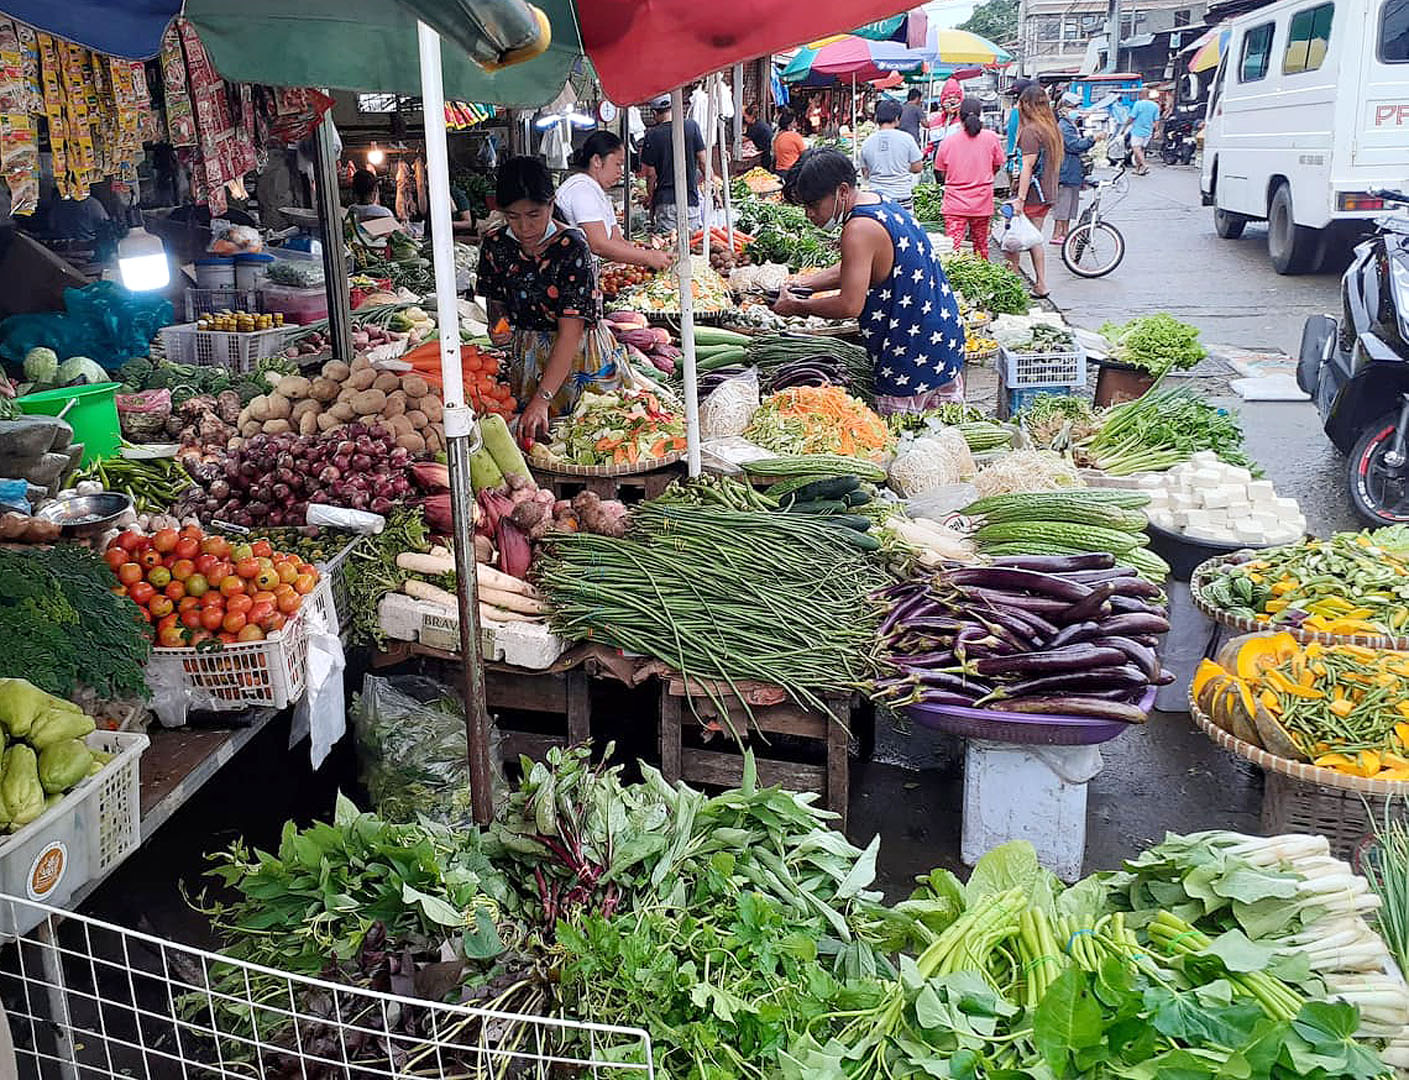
(730, 407)
(938, 503)
(102, 320)
(410, 737)
(144, 414)
(1020, 234)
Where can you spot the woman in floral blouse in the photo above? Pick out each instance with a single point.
(537, 275)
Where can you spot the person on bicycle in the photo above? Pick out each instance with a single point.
(965, 164)
(1073, 174)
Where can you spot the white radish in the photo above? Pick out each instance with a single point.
(421, 590)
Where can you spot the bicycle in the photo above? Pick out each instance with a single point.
(1094, 247)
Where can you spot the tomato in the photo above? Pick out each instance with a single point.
(129, 573)
(262, 549)
(192, 530)
(159, 576)
(197, 636)
(168, 560)
(141, 593)
(284, 590)
(247, 568)
(232, 585)
(263, 594)
(175, 590)
(169, 619)
(227, 638)
(160, 606)
(217, 546)
(188, 603)
(250, 632)
(164, 540)
(182, 569)
(197, 585)
(128, 540)
(308, 568)
(191, 619)
(118, 590)
(289, 603)
(150, 558)
(267, 578)
(239, 604)
(188, 547)
(143, 615)
(205, 562)
(260, 611)
(172, 637)
(241, 551)
(287, 572)
(211, 618)
(234, 622)
(218, 573)
(114, 557)
(276, 622)
(305, 584)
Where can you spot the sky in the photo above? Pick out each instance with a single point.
(948, 12)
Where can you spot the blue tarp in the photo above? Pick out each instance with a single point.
(127, 28)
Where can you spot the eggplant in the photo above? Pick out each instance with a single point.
(1102, 679)
(1040, 627)
(1129, 605)
(1051, 661)
(1009, 577)
(922, 661)
(1126, 625)
(1011, 623)
(902, 609)
(1137, 587)
(1164, 678)
(1098, 708)
(1073, 633)
(1092, 577)
(1091, 606)
(1058, 564)
(1001, 598)
(958, 684)
(1140, 655)
(943, 697)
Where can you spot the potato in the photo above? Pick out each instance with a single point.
(325, 421)
(277, 426)
(399, 424)
(363, 379)
(360, 363)
(308, 423)
(386, 382)
(434, 442)
(279, 406)
(251, 427)
(342, 412)
(415, 386)
(412, 442)
(244, 417)
(324, 389)
(293, 387)
(418, 419)
(303, 408)
(431, 406)
(336, 370)
(259, 408)
(368, 403)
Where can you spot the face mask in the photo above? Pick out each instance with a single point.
(547, 233)
(838, 217)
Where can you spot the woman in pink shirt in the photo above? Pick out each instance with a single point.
(968, 160)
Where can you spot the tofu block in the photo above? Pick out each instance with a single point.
(1203, 457)
(1286, 507)
(1236, 474)
(1196, 519)
(1261, 491)
(1208, 476)
(1216, 497)
(1182, 500)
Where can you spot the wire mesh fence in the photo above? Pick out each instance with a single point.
(85, 999)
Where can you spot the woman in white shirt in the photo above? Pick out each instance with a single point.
(583, 203)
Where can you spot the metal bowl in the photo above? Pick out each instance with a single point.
(86, 515)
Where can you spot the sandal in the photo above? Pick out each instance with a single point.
(1041, 295)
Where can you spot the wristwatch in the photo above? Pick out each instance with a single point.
(546, 394)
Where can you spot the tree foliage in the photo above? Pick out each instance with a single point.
(996, 20)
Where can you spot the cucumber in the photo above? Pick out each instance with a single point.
(851, 521)
(832, 487)
(714, 335)
(862, 540)
(857, 497)
(816, 506)
(722, 358)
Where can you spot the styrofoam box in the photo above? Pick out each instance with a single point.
(80, 839)
(525, 645)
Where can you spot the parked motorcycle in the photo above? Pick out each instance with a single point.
(1178, 145)
(1356, 368)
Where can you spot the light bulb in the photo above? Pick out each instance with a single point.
(142, 262)
(375, 156)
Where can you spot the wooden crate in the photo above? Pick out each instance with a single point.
(635, 488)
(723, 766)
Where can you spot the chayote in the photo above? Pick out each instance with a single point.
(19, 785)
(57, 725)
(21, 703)
(63, 764)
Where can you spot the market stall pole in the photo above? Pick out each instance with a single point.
(855, 142)
(460, 426)
(330, 216)
(687, 300)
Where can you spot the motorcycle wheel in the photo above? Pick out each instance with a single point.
(1379, 496)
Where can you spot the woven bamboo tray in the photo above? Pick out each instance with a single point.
(624, 469)
(981, 356)
(1244, 625)
(1300, 797)
(845, 330)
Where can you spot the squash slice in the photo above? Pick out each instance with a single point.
(1274, 737)
(1261, 652)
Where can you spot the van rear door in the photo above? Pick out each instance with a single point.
(1382, 126)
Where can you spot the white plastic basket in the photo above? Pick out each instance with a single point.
(1022, 369)
(206, 301)
(271, 672)
(237, 351)
(334, 572)
(94, 827)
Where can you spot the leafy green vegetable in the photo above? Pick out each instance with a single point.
(1155, 343)
(987, 285)
(929, 202)
(1162, 428)
(371, 571)
(782, 234)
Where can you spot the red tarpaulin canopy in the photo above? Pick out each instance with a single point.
(639, 49)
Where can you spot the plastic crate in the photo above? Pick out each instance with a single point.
(94, 827)
(1014, 401)
(207, 301)
(333, 573)
(1023, 369)
(271, 672)
(185, 344)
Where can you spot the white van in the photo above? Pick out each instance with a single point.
(1309, 113)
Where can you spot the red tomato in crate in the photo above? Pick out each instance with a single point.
(234, 622)
(149, 558)
(141, 593)
(182, 569)
(126, 540)
(250, 632)
(247, 567)
(172, 637)
(188, 547)
(205, 562)
(211, 618)
(129, 573)
(115, 556)
(191, 619)
(160, 606)
(164, 540)
(262, 549)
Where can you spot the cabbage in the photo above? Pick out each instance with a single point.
(80, 367)
(41, 366)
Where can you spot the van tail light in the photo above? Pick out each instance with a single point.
(1358, 200)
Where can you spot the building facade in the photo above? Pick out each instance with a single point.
(1070, 35)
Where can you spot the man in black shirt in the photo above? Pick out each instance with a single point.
(658, 167)
(911, 118)
(760, 133)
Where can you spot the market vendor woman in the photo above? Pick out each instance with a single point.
(888, 279)
(536, 274)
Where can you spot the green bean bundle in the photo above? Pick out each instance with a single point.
(724, 595)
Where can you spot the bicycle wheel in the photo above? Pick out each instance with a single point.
(1093, 250)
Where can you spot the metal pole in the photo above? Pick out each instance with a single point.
(334, 261)
(724, 175)
(855, 142)
(738, 111)
(1113, 47)
(687, 300)
(626, 173)
(711, 86)
(460, 428)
